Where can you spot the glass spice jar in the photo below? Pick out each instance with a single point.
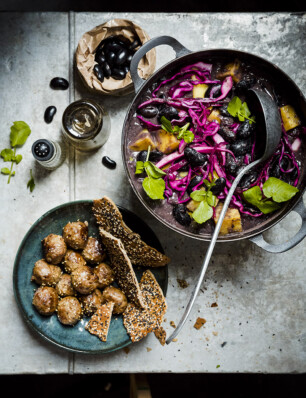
(86, 125)
(49, 154)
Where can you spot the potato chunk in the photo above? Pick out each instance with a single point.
(231, 69)
(231, 222)
(199, 90)
(143, 141)
(214, 115)
(289, 117)
(166, 142)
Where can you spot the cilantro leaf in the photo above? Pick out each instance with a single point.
(181, 132)
(154, 187)
(19, 133)
(254, 197)
(198, 195)
(238, 109)
(278, 190)
(203, 213)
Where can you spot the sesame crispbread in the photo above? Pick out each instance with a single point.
(100, 321)
(139, 322)
(110, 219)
(123, 269)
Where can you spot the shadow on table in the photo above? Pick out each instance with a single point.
(156, 385)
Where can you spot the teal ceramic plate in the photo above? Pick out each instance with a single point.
(76, 338)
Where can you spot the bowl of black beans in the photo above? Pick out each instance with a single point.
(104, 54)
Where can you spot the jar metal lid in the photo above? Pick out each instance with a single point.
(42, 150)
(84, 113)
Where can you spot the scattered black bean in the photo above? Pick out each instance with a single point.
(149, 111)
(155, 155)
(59, 83)
(193, 183)
(224, 111)
(194, 157)
(219, 186)
(227, 134)
(245, 83)
(49, 114)
(248, 179)
(180, 214)
(98, 71)
(142, 156)
(217, 90)
(108, 162)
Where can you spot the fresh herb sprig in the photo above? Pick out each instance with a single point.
(18, 136)
(180, 132)
(154, 185)
(207, 199)
(275, 189)
(239, 109)
(31, 182)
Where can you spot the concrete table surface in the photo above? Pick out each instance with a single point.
(259, 323)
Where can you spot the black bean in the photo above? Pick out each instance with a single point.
(224, 111)
(216, 88)
(155, 155)
(106, 70)
(246, 83)
(114, 46)
(49, 114)
(219, 186)
(248, 179)
(245, 130)
(135, 44)
(100, 57)
(126, 69)
(108, 162)
(227, 134)
(169, 112)
(149, 111)
(180, 214)
(142, 156)
(194, 157)
(129, 58)
(193, 183)
(118, 73)
(98, 71)
(59, 83)
(110, 58)
(241, 147)
(121, 57)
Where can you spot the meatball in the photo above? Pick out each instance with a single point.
(69, 310)
(45, 273)
(92, 302)
(84, 280)
(115, 295)
(64, 286)
(76, 234)
(54, 248)
(45, 300)
(105, 275)
(73, 260)
(93, 252)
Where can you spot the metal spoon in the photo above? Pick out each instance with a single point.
(272, 123)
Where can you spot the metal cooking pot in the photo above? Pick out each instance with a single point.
(276, 76)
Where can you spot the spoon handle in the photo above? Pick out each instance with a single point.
(210, 251)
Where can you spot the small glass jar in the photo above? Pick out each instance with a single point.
(86, 125)
(49, 154)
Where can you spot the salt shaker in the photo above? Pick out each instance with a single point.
(49, 154)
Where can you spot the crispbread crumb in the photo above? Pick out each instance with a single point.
(100, 321)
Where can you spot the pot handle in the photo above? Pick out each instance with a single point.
(179, 49)
(283, 247)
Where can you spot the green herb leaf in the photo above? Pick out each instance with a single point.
(211, 199)
(278, 190)
(18, 159)
(188, 136)
(254, 197)
(203, 213)
(31, 183)
(152, 170)
(139, 167)
(5, 171)
(7, 154)
(154, 187)
(198, 195)
(238, 109)
(166, 124)
(19, 133)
